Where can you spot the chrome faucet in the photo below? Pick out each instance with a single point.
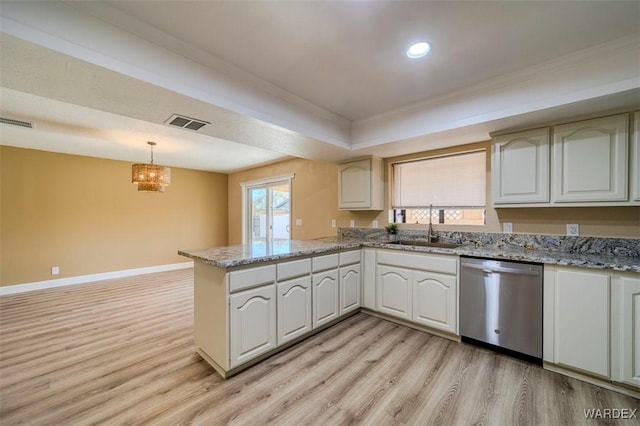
(432, 235)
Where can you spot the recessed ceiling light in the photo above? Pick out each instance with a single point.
(418, 50)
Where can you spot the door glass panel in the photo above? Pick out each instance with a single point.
(280, 217)
(268, 216)
(258, 215)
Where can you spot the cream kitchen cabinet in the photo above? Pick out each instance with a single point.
(360, 185)
(434, 300)
(243, 314)
(325, 283)
(350, 291)
(393, 291)
(625, 341)
(592, 325)
(369, 278)
(294, 299)
(253, 323)
(421, 288)
(590, 160)
(634, 154)
(580, 328)
(520, 167)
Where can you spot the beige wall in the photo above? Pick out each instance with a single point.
(314, 195)
(84, 215)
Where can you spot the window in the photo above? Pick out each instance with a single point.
(267, 208)
(455, 185)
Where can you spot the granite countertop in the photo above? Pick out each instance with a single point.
(238, 255)
(243, 254)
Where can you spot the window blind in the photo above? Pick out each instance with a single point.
(453, 181)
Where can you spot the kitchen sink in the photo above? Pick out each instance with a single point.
(425, 244)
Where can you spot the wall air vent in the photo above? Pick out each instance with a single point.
(186, 122)
(13, 122)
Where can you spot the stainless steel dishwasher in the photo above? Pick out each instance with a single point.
(501, 306)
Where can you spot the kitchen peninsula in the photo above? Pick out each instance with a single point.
(253, 301)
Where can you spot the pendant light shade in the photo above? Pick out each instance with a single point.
(150, 177)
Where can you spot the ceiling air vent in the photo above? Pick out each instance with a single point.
(20, 123)
(186, 122)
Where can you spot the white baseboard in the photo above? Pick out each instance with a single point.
(82, 279)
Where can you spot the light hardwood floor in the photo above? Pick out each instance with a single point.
(121, 352)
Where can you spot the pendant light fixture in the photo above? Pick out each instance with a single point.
(150, 177)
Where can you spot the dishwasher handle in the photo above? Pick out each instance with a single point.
(486, 268)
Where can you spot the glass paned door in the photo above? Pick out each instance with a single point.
(268, 211)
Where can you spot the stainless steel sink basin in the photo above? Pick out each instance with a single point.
(425, 244)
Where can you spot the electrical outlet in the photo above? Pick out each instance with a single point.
(507, 227)
(298, 222)
(333, 223)
(573, 229)
(55, 270)
(352, 223)
(374, 224)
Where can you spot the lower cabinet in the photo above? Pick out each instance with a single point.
(581, 330)
(294, 308)
(252, 323)
(434, 300)
(393, 291)
(625, 341)
(369, 278)
(592, 322)
(420, 288)
(349, 288)
(325, 297)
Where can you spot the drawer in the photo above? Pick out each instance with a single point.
(427, 262)
(349, 257)
(253, 277)
(295, 268)
(320, 263)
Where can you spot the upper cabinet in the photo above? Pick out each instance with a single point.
(360, 185)
(590, 160)
(586, 163)
(520, 167)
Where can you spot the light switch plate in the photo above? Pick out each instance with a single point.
(573, 229)
(352, 223)
(374, 224)
(333, 223)
(298, 222)
(507, 227)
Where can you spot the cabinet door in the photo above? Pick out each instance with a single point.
(626, 330)
(393, 291)
(520, 167)
(590, 160)
(369, 279)
(349, 288)
(294, 308)
(434, 300)
(635, 159)
(253, 323)
(325, 297)
(582, 324)
(354, 185)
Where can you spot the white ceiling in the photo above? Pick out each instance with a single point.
(320, 80)
(349, 57)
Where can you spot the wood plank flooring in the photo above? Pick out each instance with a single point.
(121, 352)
